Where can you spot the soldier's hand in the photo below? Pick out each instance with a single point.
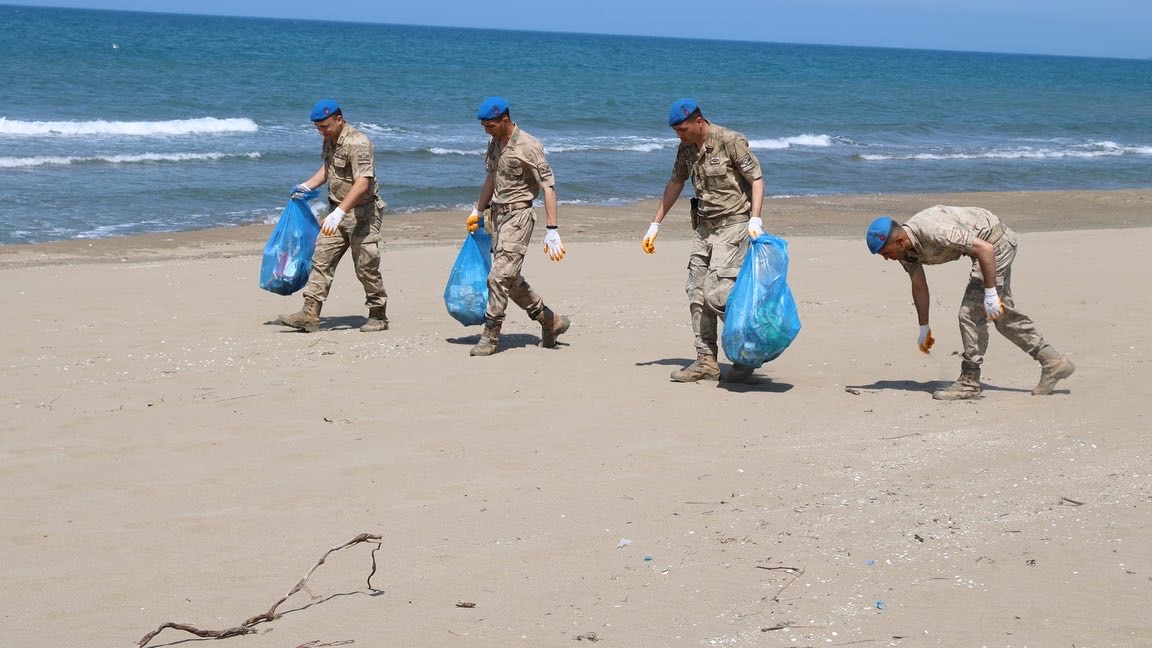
(475, 221)
(926, 340)
(552, 245)
(649, 242)
(332, 222)
(992, 305)
(303, 192)
(755, 227)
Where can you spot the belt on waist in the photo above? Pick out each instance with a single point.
(504, 208)
(333, 204)
(721, 221)
(996, 233)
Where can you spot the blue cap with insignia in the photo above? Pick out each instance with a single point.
(878, 233)
(492, 108)
(324, 109)
(681, 109)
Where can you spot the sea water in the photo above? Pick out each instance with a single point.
(117, 123)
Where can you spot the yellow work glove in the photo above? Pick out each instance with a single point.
(755, 227)
(649, 243)
(475, 221)
(926, 340)
(992, 305)
(332, 222)
(552, 245)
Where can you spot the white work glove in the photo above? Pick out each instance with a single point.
(925, 341)
(475, 221)
(992, 306)
(332, 222)
(649, 243)
(755, 227)
(301, 191)
(552, 245)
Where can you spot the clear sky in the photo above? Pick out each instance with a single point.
(1109, 28)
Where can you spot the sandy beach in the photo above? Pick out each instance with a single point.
(168, 454)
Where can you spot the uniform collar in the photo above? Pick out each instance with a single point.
(513, 136)
(709, 140)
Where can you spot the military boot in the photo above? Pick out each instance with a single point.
(551, 327)
(739, 374)
(377, 320)
(1053, 368)
(966, 387)
(307, 319)
(489, 340)
(705, 368)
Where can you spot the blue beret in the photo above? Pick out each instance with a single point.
(878, 232)
(492, 108)
(681, 109)
(324, 109)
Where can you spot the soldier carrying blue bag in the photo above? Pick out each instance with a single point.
(353, 222)
(725, 215)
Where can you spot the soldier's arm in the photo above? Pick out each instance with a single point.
(920, 294)
(757, 196)
(318, 178)
(551, 207)
(356, 193)
(672, 192)
(985, 255)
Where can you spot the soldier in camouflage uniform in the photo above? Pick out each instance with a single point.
(349, 169)
(725, 215)
(941, 234)
(516, 173)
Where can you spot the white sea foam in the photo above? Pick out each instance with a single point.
(48, 160)
(634, 147)
(1086, 151)
(369, 127)
(203, 125)
(437, 150)
(806, 139)
(625, 145)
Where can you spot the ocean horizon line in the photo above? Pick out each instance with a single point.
(582, 33)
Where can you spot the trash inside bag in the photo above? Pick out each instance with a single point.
(466, 295)
(760, 319)
(288, 253)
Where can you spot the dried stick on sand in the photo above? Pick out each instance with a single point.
(248, 626)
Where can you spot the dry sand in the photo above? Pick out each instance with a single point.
(167, 455)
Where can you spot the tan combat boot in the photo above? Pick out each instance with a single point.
(489, 340)
(705, 368)
(967, 386)
(307, 319)
(377, 320)
(739, 374)
(1053, 368)
(551, 327)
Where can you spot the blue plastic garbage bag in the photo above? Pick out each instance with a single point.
(760, 319)
(466, 294)
(288, 252)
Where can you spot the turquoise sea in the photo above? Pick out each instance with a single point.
(117, 123)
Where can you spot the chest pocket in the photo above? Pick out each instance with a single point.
(343, 166)
(715, 165)
(511, 167)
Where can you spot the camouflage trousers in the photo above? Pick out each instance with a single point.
(718, 251)
(510, 238)
(1014, 325)
(359, 232)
